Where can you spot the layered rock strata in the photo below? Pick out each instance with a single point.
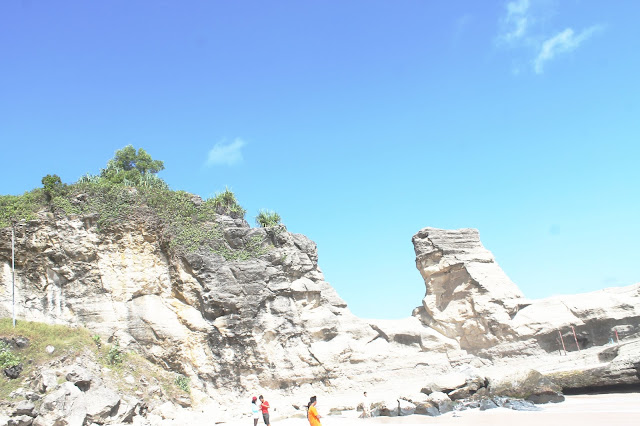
(468, 297)
(269, 321)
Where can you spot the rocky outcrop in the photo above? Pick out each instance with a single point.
(614, 366)
(468, 297)
(596, 317)
(80, 398)
(525, 384)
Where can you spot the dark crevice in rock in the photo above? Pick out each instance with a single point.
(624, 388)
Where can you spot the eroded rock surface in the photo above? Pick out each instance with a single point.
(468, 297)
(268, 321)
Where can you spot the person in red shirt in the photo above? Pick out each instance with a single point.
(264, 407)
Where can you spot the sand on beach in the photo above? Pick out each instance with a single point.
(602, 409)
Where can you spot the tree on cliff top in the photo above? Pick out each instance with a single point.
(53, 186)
(131, 167)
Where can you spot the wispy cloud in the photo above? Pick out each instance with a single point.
(523, 28)
(562, 42)
(228, 154)
(517, 21)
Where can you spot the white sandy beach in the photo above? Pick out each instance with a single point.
(604, 409)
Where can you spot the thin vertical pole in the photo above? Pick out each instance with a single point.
(562, 340)
(575, 337)
(13, 273)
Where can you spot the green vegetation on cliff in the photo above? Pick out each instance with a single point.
(67, 344)
(129, 189)
(268, 218)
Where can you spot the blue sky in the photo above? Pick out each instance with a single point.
(360, 122)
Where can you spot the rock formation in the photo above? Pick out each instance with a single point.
(232, 326)
(468, 298)
(271, 321)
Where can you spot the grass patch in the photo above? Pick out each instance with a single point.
(71, 342)
(65, 340)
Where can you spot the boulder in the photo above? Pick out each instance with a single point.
(65, 402)
(438, 397)
(445, 383)
(21, 342)
(520, 405)
(427, 408)
(81, 377)
(526, 384)
(165, 411)
(101, 403)
(487, 404)
(442, 401)
(387, 408)
(127, 410)
(423, 404)
(13, 372)
(22, 420)
(46, 380)
(460, 393)
(446, 406)
(24, 408)
(406, 408)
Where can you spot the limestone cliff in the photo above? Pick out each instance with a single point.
(267, 321)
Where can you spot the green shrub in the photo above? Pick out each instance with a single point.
(183, 383)
(14, 208)
(226, 203)
(62, 205)
(89, 179)
(7, 357)
(96, 340)
(268, 218)
(115, 356)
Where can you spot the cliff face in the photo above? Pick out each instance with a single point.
(267, 321)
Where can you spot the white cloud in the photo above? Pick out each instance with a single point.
(523, 29)
(517, 20)
(226, 153)
(562, 42)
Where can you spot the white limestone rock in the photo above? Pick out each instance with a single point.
(468, 297)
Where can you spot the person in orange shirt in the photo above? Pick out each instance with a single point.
(312, 412)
